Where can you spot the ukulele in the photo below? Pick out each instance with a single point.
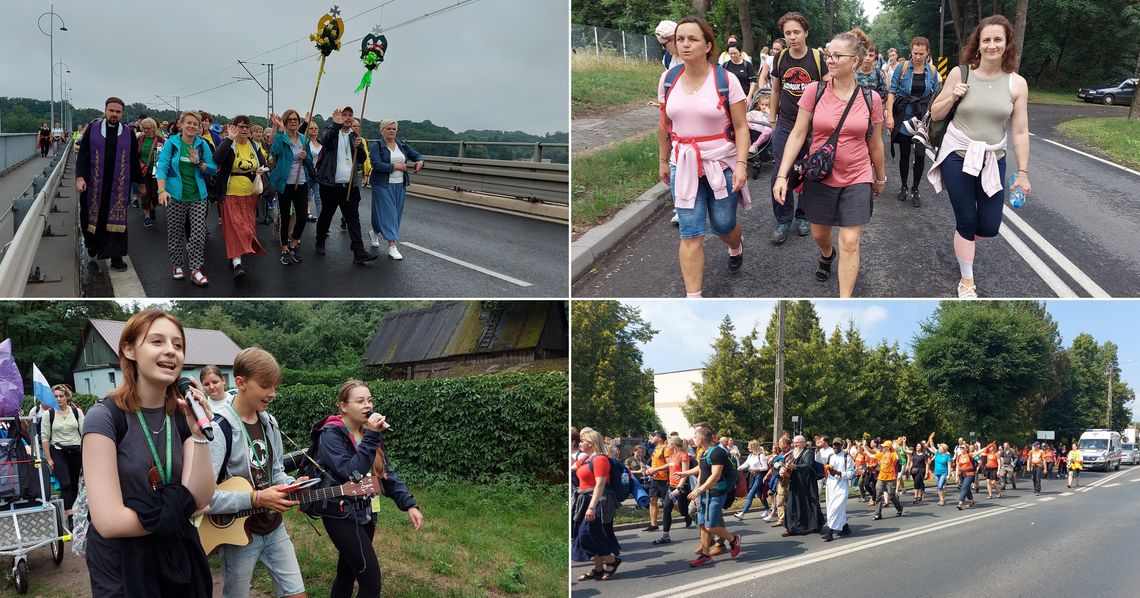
(229, 528)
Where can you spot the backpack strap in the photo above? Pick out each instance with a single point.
(867, 98)
(720, 77)
(671, 77)
(227, 432)
(118, 418)
(818, 67)
(51, 422)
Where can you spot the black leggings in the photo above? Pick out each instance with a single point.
(357, 562)
(298, 197)
(682, 503)
(68, 467)
(904, 161)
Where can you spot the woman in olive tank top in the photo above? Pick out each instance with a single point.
(994, 95)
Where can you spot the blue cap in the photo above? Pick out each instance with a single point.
(216, 128)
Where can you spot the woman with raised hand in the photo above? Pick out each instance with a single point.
(703, 155)
(393, 161)
(352, 441)
(971, 162)
(147, 469)
(183, 165)
(292, 172)
(842, 198)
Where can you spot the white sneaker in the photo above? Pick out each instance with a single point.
(374, 237)
(767, 518)
(394, 253)
(675, 219)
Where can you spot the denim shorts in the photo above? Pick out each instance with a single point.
(721, 213)
(710, 512)
(940, 480)
(275, 550)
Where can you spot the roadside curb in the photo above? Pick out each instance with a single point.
(604, 237)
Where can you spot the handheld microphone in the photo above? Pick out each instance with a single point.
(384, 425)
(184, 386)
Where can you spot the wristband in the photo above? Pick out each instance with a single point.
(780, 176)
(1025, 171)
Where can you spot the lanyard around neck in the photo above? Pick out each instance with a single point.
(249, 443)
(163, 468)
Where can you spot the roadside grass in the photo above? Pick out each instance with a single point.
(1059, 98)
(477, 540)
(607, 180)
(1117, 137)
(598, 83)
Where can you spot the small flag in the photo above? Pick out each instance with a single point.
(43, 391)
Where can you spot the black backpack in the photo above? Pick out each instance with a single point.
(730, 475)
(620, 480)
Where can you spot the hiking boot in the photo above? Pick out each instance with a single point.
(915, 198)
(903, 194)
(803, 227)
(781, 233)
(703, 559)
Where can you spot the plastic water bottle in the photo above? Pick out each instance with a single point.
(1016, 195)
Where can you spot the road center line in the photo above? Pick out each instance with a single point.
(1046, 498)
(1102, 160)
(724, 581)
(1112, 484)
(1068, 266)
(1066, 494)
(1107, 479)
(1037, 264)
(521, 283)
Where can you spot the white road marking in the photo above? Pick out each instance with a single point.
(1136, 480)
(1066, 494)
(737, 577)
(512, 280)
(1101, 160)
(1040, 267)
(1112, 484)
(1068, 266)
(1046, 498)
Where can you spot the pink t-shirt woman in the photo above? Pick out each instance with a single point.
(852, 157)
(696, 115)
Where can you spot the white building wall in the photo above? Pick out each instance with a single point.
(672, 390)
(99, 382)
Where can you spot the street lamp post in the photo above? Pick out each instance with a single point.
(51, 51)
(62, 66)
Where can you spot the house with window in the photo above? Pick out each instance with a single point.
(460, 338)
(95, 367)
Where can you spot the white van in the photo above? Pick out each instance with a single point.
(1101, 449)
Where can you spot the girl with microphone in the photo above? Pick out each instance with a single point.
(351, 441)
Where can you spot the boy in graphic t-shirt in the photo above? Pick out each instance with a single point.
(792, 70)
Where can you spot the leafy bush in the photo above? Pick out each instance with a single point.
(479, 428)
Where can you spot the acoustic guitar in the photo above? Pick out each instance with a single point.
(229, 528)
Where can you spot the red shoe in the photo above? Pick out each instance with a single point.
(735, 545)
(199, 278)
(703, 559)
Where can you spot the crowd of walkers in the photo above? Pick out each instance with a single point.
(803, 485)
(290, 173)
(828, 108)
(148, 468)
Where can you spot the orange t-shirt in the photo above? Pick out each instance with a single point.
(678, 462)
(1037, 459)
(658, 459)
(992, 459)
(888, 465)
(1050, 456)
(965, 464)
(860, 460)
(587, 479)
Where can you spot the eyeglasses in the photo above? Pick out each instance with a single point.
(246, 127)
(828, 56)
(292, 120)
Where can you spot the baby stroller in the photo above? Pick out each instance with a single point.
(760, 139)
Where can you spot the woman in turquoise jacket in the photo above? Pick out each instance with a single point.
(292, 173)
(183, 165)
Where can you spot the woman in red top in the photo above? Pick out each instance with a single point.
(593, 510)
(843, 198)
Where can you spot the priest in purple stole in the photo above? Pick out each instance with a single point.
(106, 169)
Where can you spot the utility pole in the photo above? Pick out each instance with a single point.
(1108, 416)
(267, 89)
(778, 410)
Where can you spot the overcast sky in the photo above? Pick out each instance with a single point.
(488, 64)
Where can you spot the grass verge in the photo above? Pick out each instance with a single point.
(611, 178)
(477, 540)
(1117, 137)
(597, 83)
(1059, 98)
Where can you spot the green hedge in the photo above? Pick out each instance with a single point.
(478, 428)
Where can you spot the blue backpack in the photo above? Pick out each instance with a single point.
(620, 480)
(720, 76)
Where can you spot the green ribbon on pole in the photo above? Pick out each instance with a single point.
(364, 81)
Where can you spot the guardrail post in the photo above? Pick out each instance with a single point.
(462, 147)
(538, 152)
(597, 50)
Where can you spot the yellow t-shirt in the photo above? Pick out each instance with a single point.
(245, 162)
(888, 465)
(1075, 461)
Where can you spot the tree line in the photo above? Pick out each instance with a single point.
(996, 368)
(24, 115)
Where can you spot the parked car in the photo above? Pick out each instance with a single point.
(1131, 454)
(1117, 91)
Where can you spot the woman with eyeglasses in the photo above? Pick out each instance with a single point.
(843, 198)
(183, 165)
(352, 441)
(150, 143)
(292, 171)
(239, 164)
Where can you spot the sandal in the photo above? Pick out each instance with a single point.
(611, 569)
(593, 574)
(965, 292)
(177, 273)
(823, 271)
(199, 278)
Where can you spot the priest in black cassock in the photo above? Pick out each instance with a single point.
(106, 169)
(802, 513)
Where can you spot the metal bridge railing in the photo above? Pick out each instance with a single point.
(20, 254)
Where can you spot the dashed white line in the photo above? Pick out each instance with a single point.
(1136, 480)
(1046, 498)
(1112, 484)
(512, 280)
(1066, 494)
